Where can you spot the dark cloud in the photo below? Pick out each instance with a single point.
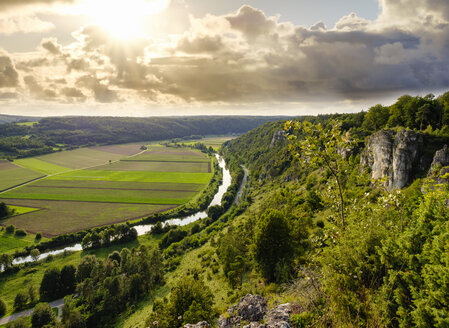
(52, 46)
(8, 74)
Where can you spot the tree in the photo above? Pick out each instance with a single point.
(68, 279)
(2, 307)
(5, 211)
(35, 254)
(10, 229)
(38, 236)
(85, 267)
(273, 245)
(42, 315)
(21, 300)
(320, 146)
(50, 288)
(18, 323)
(376, 118)
(6, 260)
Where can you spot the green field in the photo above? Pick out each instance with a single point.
(10, 242)
(138, 176)
(22, 210)
(70, 199)
(102, 195)
(38, 165)
(12, 175)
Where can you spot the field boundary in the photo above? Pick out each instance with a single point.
(23, 183)
(102, 188)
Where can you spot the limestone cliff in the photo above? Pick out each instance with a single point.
(395, 157)
(440, 167)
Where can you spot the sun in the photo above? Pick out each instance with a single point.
(123, 19)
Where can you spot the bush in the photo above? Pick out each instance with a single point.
(21, 300)
(21, 233)
(10, 229)
(38, 236)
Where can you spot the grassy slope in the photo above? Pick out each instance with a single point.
(10, 242)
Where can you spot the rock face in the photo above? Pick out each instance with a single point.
(278, 135)
(253, 309)
(394, 157)
(439, 167)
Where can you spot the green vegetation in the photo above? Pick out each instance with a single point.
(22, 209)
(197, 167)
(36, 164)
(97, 175)
(12, 175)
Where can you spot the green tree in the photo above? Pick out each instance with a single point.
(5, 211)
(376, 118)
(42, 315)
(86, 266)
(18, 323)
(68, 279)
(273, 245)
(6, 260)
(21, 300)
(50, 287)
(10, 229)
(323, 146)
(35, 254)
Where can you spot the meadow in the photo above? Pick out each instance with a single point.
(90, 187)
(12, 175)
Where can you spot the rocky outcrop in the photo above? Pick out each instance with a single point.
(393, 157)
(252, 309)
(439, 168)
(202, 324)
(277, 136)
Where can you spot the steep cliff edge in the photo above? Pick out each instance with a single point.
(396, 157)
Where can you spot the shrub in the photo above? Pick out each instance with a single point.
(10, 229)
(20, 233)
(38, 236)
(42, 315)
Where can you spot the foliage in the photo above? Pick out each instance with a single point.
(5, 211)
(42, 315)
(273, 246)
(190, 301)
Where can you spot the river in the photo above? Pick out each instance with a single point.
(143, 229)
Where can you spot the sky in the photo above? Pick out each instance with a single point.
(214, 57)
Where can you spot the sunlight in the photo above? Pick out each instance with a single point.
(123, 19)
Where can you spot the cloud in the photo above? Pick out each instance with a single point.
(9, 4)
(8, 74)
(247, 57)
(25, 24)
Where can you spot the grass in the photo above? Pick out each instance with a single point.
(79, 158)
(22, 210)
(138, 176)
(101, 195)
(128, 165)
(10, 242)
(14, 176)
(38, 165)
(59, 217)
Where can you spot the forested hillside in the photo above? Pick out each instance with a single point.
(51, 134)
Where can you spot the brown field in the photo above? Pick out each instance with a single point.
(5, 165)
(125, 150)
(60, 217)
(195, 167)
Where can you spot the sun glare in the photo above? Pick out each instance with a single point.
(123, 19)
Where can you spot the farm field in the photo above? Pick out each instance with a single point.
(60, 217)
(71, 199)
(10, 242)
(12, 175)
(214, 142)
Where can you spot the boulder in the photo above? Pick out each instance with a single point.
(252, 307)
